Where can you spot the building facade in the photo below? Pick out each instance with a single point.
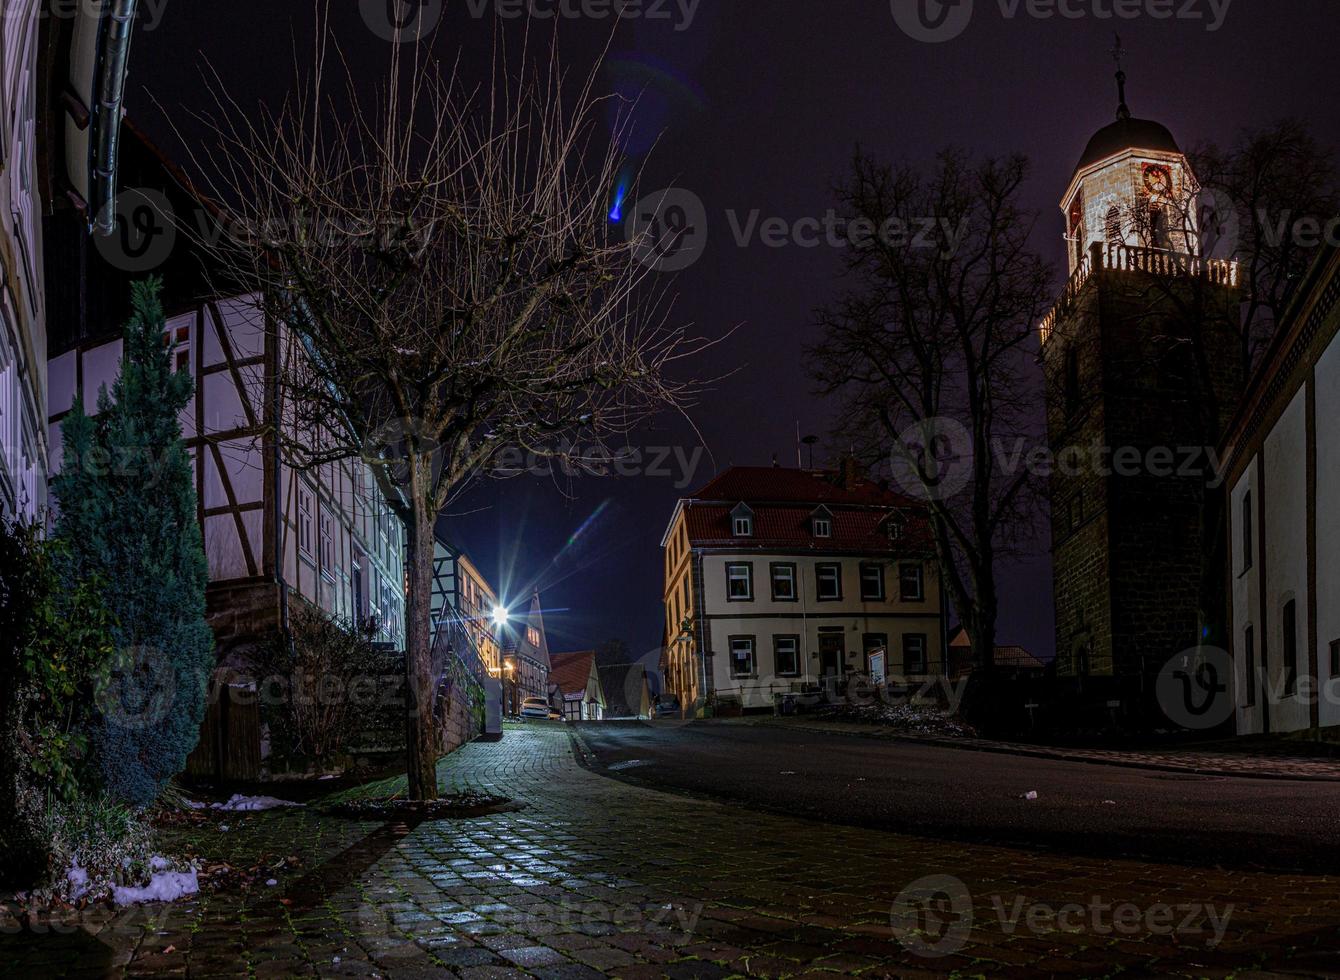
(578, 692)
(1142, 365)
(782, 581)
(1282, 459)
(525, 658)
(460, 586)
(270, 528)
(61, 79)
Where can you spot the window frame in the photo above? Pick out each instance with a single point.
(1246, 524)
(777, 639)
(919, 569)
(753, 656)
(882, 594)
(306, 501)
(748, 567)
(819, 568)
(742, 526)
(821, 527)
(925, 654)
(773, 569)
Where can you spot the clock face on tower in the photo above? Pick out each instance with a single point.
(1158, 180)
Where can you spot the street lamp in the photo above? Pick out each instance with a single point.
(500, 615)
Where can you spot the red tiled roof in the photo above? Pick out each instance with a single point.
(784, 501)
(775, 484)
(571, 671)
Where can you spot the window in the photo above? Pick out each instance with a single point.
(533, 636)
(740, 582)
(829, 578)
(823, 527)
(895, 530)
(914, 653)
(304, 520)
(687, 579)
(872, 582)
(1248, 543)
(1114, 235)
(786, 651)
(1290, 646)
(1249, 665)
(911, 587)
(784, 583)
(742, 656)
(327, 543)
(743, 526)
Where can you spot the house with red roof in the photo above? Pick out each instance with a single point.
(787, 581)
(576, 686)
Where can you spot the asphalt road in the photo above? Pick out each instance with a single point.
(976, 796)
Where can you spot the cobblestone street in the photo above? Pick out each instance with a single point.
(596, 877)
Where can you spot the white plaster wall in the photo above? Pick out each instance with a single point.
(1328, 523)
(1285, 556)
(1245, 590)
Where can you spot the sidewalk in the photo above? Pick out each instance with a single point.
(600, 878)
(1205, 762)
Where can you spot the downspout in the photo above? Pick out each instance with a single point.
(114, 33)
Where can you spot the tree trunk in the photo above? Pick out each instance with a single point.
(421, 754)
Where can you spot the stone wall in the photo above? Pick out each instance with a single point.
(1128, 548)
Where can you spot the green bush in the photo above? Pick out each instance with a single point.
(55, 646)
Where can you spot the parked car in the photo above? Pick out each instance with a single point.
(667, 706)
(555, 714)
(535, 708)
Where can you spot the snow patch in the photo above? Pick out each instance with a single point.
(164, 886)
(251, 803)
(78, 879)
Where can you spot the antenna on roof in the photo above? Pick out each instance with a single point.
(799, 465)
(810, 441)
(1118, 55)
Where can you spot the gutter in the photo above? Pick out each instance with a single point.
(114, 34)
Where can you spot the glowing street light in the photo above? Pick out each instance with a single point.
(500, 615)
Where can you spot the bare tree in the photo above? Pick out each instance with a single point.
(445, 262)
(927, 348)
(1268, 184)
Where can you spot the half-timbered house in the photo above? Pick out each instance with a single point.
(271, 529)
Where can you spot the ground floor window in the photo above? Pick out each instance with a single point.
(786, 650)
(742, 663)
(914, 653)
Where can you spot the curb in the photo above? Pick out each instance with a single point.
(1029, 752)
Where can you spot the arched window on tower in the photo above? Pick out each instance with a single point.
(1114, 235)
(1158, 227)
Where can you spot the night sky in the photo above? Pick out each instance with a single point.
(758, 107)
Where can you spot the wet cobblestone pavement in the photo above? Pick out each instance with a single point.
(597, 877)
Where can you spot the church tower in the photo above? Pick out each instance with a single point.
(1140, 356)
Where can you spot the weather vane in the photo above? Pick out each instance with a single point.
(1118, 54)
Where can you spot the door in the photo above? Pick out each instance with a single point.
(830, 654)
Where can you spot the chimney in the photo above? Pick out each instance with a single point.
(850, 472)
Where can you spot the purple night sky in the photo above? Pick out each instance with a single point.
(758, 107)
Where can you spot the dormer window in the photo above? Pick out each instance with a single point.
(821, 523)
(742, 522)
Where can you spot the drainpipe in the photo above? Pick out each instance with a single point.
(114, 33)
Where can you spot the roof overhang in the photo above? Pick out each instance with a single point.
(1133, 153)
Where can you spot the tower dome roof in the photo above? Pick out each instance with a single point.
(1127, 134)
